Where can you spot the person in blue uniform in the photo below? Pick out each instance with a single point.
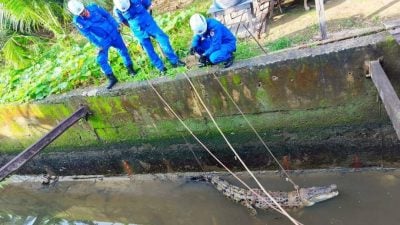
(101, 29)
(134, 13)
(213, 41)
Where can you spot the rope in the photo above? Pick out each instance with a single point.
(237, 155)
(215, 157)
(194, 154)
(258, 135)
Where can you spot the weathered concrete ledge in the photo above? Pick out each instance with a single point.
(314, 105)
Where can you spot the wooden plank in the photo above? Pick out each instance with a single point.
(34, 149)
(387, 93)
(319, 4)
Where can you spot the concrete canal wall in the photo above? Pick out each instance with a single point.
(315, 106)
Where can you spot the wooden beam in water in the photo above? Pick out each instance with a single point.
(387, 93)
(34, 149)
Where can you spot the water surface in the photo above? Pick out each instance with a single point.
(366, 198)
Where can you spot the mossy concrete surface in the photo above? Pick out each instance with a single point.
(315, 106)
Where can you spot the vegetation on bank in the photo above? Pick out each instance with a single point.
(41, 56)
(39, 61)
(41, 53)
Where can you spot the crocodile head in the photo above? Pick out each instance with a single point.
(312, 195)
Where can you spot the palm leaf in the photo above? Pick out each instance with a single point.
(16, 51)
(28, 16)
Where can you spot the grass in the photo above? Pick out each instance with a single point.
(247, 49)
(70, 63)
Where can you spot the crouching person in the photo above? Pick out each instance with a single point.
(213, 41)
(101, 29)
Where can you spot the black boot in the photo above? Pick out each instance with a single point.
(179, 63)
(131, 71)
(229, 62)
(112, 80)
(163, 71)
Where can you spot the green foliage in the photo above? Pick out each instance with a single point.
(53, 73)
(18, 50)
(3, 184)
(24, 22)
(279, 44)
(67, 63)
(28, 16)
(287, 42)
(247, 49)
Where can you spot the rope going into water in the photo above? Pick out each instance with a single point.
(237, 155)
(216, 158)
(257, 134)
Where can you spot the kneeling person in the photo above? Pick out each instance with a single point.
(213, 41)
(97, 25)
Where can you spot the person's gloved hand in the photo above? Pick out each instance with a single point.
(203, 58)
(203, 61)
(192, 51)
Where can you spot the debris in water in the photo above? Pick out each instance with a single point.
(356, 162)
(286, 162)
(127, 167)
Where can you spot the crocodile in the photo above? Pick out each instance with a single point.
(257, 198)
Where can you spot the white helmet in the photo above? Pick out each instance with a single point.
(75, 7)
(122, 5)
(198, 24)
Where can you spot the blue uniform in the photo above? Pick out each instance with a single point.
(102, 30)
(217, 43)
(143, 27)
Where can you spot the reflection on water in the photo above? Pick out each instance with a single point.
(366, 198)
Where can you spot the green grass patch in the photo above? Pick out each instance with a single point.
(68, 63)
(247, 49)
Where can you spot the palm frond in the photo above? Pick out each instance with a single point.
(19, 50)
(27, 16)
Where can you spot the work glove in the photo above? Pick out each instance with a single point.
(192, 51)
(204, 61)
(203, 58)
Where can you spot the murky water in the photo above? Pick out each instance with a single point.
(366, 198)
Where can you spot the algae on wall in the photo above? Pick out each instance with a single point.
(294, 98)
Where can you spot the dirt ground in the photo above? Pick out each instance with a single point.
(341, 15)
(296, 27)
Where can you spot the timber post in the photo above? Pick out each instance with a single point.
(387, 94)
(319, 4)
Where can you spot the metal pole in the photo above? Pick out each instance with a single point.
(319, 4)
(258, 43)
(34, 149)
